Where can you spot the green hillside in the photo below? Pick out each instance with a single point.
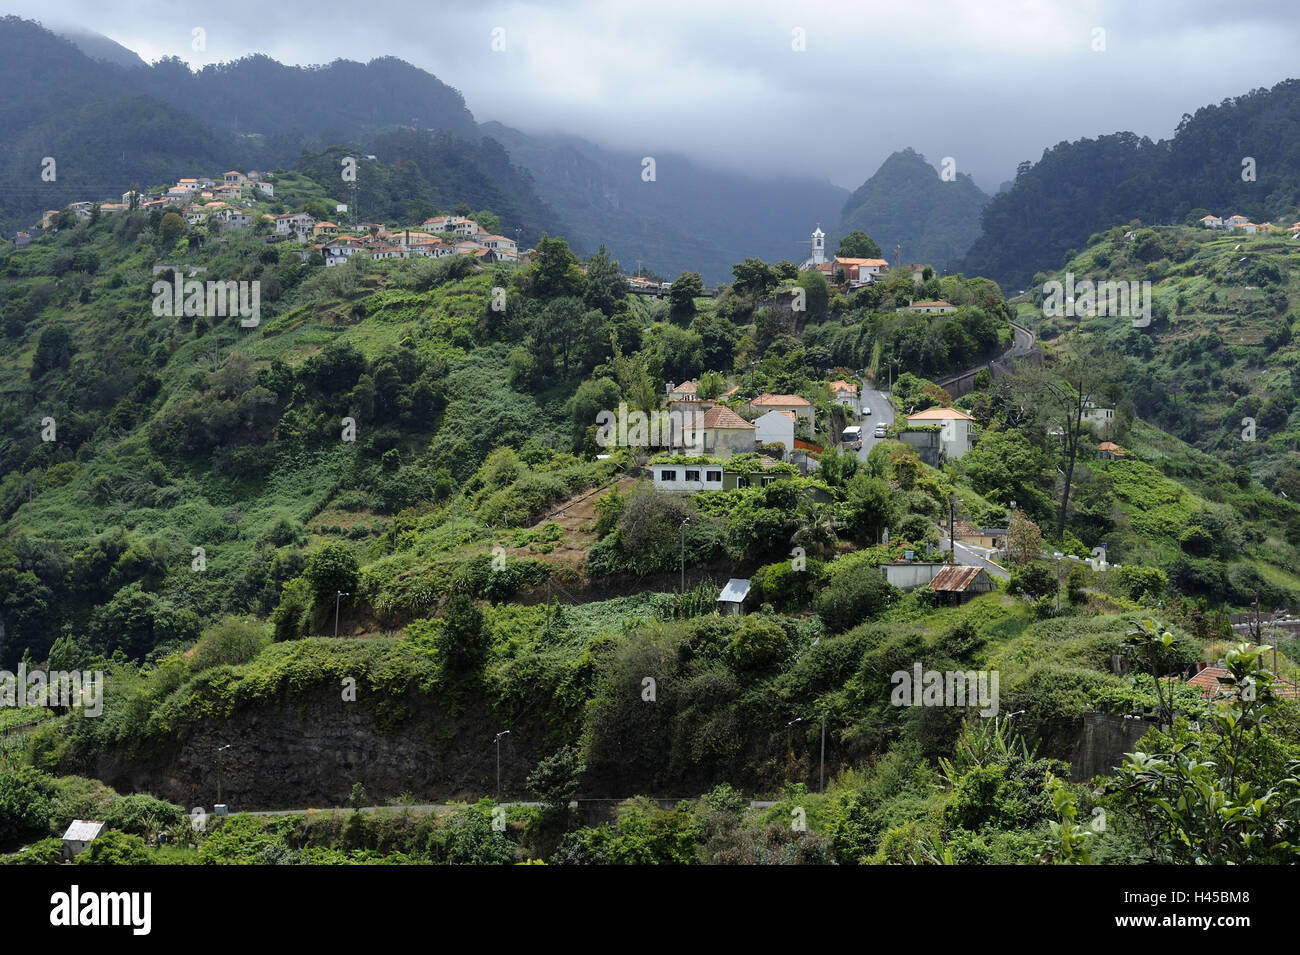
(388, 456)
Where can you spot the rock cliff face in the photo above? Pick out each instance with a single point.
(309, 754)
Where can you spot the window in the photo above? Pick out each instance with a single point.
(713, 477)
(767, 480)
(742, 481)
(692, 475)
(667, 475)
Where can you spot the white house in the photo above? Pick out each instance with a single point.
(846, 393)
(802, 407)
(931, 308)
(266, 188)
(295, 223)
(457, 224)
(234, 178)
(499, 244)
(337, 251)
(957, 434)
(684, 477)
(1234, 222)
(79, 836)
(1095, 415)
(775, 427)
(1212, 222)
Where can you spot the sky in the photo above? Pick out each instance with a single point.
(825, 90)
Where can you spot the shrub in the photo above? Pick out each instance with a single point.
(1034, 580)
(851, 598)
(115, 848)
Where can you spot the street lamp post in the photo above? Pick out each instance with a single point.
(338, 595)
(497, 741)
(683, 530)
(1058, 555)
(821, 784)
(221, 749)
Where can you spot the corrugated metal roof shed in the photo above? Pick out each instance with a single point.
(956, 579)
(83, 830)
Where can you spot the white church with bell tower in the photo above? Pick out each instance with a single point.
(817, 246)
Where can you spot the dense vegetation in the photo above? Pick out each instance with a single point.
(390, 454)
(1080, 188)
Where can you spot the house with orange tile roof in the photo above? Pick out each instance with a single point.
(800, 406)
(686, 391)
(846, 393)
(726, 432)
(956, 429)
(1210, 680)
(1111, 451)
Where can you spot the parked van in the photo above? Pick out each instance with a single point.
(852, 437)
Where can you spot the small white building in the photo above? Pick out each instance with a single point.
(939, 307)
(1212, 222)
(731, 602)
(79, 836)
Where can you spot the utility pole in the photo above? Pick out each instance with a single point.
(821, 786)
(683, 529)
(497, 741)
(952, 541)
(219, 763)
(338, 595)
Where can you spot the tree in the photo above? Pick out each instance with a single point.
(555, 780)
(1218, 796)
(462, 643)
(858, 245)
(1006, 467)
(816, 294)
(1062, 395)
(754, 278)
(592, 397)
(606, 289)
(870, 506)
(1024, 540)
(171, 228)
(332, 569)
(487, 221)
(681, 297)
(555, 271)
(711, 385)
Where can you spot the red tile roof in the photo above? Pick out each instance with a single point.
(762, 400)
(723, 417)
